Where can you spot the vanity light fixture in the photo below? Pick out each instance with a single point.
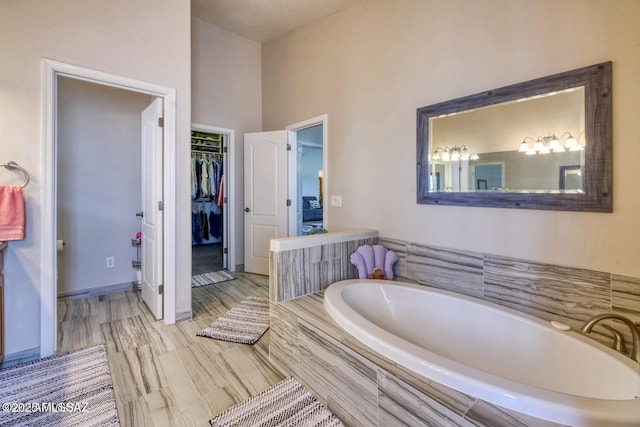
(571, 144)
(528, 149)
(524, 145)
(453, 154)
(550, 143)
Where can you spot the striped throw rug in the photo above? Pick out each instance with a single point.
(287, 403)
(70, 389)
(243, 324)
(211, 278)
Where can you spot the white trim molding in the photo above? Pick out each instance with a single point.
(48, 275)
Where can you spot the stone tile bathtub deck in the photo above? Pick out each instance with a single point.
(362, 387)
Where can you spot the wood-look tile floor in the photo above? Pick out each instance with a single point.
(165, 375)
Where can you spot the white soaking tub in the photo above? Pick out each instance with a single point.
(491, 352)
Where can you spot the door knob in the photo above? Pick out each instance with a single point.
(140, 214)
(247, 209)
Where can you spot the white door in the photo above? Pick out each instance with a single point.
(265, 196)
(151, 209)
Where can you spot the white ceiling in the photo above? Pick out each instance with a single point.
(264, 20)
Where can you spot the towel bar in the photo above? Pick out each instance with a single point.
(13, 165)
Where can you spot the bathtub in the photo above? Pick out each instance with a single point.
(490, 352)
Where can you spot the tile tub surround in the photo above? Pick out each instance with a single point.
(550, 292)
(307, 264)
(362, 387)
(304, 265)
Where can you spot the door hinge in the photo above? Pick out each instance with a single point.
(161, 122)
(224, 200)
(160, 289)
(288, 147)
(160, 205)
(225, 251)
(288, 202)
(224, 149)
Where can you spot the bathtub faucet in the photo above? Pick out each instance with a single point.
(635, 335)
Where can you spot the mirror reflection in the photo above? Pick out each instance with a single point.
(539, 144)
(529, 145)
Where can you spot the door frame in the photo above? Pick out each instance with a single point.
(48, 273)
(292, 172)
(229, 217)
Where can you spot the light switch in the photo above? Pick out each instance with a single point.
(336, 201)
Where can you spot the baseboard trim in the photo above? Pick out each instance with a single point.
(20, 357)
(185, 315)
(97, 291)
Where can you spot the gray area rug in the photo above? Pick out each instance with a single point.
(69, 389)
(287, 403)
(243, 324)
(211, 278)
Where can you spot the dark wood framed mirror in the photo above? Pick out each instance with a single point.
(516, 140)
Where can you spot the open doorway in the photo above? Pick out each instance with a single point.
(307, 176)
(109, 181)
(165, 257)
(212, 225)
(207, 202)
(273, 190)
(488, 176)
(99, 187)
(310, 175)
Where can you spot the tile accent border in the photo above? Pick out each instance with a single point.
(547, 291)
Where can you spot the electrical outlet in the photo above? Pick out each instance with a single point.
(336, 201)
(110, 262)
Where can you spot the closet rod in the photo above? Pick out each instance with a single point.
(13, 165)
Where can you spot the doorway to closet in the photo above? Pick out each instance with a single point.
(209, 200)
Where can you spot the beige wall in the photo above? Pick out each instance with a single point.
(227, 92)
(145, 40)
(369, 67)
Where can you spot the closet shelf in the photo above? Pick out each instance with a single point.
(217, 138)
(208, 150)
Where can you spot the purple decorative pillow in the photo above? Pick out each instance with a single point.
(367, 258)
